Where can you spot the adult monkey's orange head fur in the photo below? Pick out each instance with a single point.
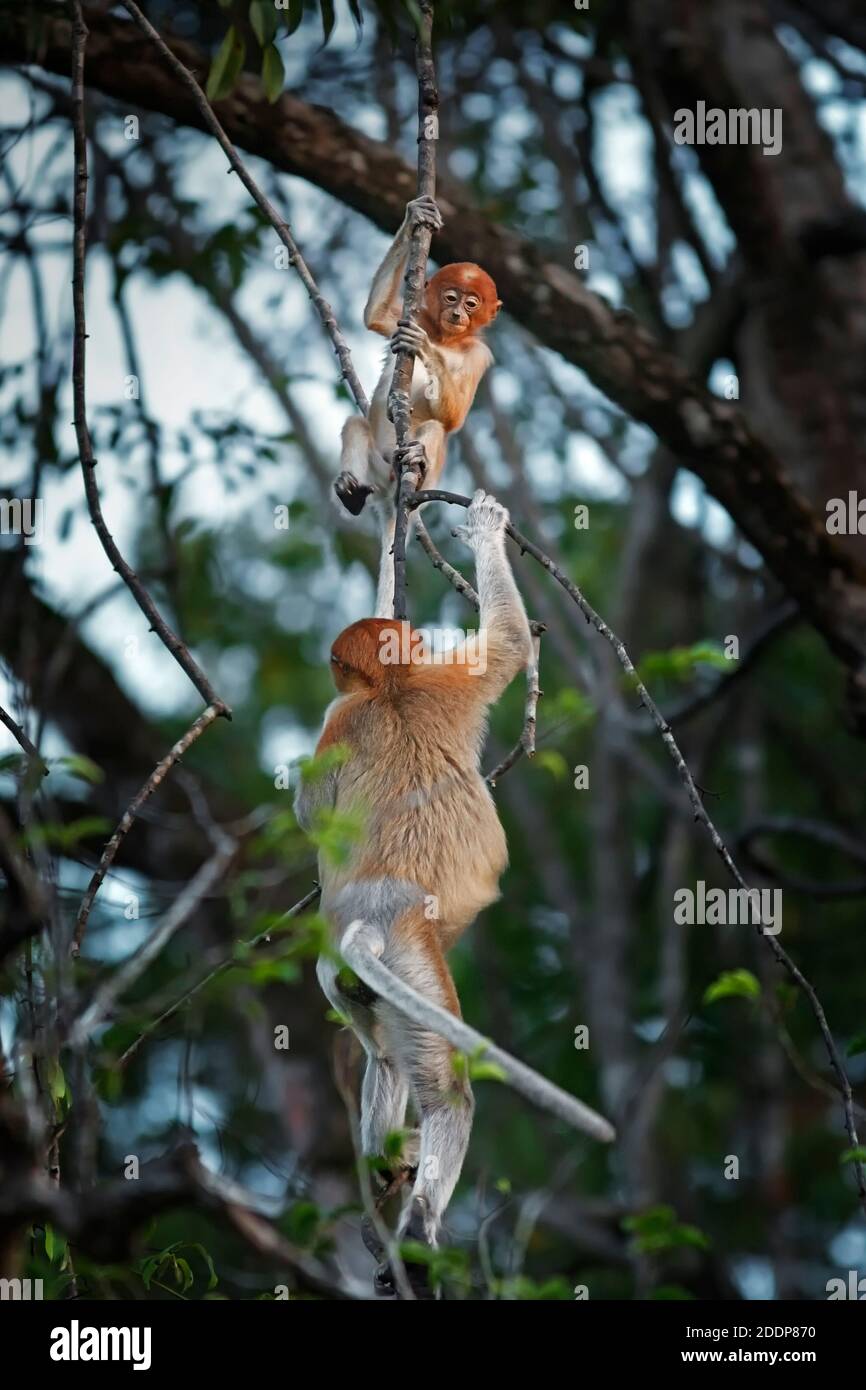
(459, 300)
(375, 654)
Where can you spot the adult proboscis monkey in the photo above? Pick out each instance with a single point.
(429, 859)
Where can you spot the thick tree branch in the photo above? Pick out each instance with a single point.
(710, 435)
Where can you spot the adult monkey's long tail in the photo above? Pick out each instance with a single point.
(361, 948)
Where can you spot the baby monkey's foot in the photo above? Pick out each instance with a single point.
(351, 493)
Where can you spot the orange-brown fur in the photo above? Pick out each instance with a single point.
(431, 849)
(450, 359)
(415, 731)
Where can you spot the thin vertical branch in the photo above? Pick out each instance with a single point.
(410, 464)
(110, 852)
(160, 491)
(158, 624)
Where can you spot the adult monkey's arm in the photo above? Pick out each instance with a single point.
(622, 359)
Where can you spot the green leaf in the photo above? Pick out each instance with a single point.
(226, 66)
(263, 20)
(335, 755)
(691, 1235)
(303, 1223)
(82, 767)
(273, 74)
(733, 984)
(212, 1274)
(394, 1141)
(657, 1230)
(475, 1068)
(856, 1045)
(678, 663)
(572, 705)
(335, 833)
(32, 767)
(57, 1083)
(266, 972)
(49, 1242)
(525, 1290)
(857, 1155)
(108, 1082)
(66, 837)
(653, 1219)
(553, 762)
(486, 1071)
(417, 1253)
